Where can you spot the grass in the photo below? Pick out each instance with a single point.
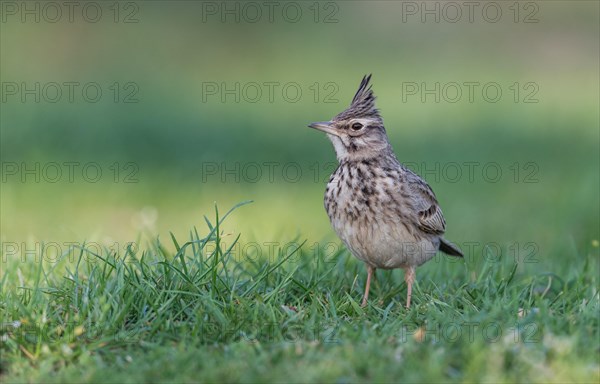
(208, 313)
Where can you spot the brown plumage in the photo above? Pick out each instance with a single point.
(384, 213)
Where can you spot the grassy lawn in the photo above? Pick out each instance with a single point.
(205, 312)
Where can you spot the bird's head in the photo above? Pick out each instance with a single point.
(357, 133)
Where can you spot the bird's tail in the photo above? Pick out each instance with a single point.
(449, 248)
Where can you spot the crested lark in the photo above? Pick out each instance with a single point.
(384, 213)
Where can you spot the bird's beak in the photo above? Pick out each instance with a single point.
(324, 126)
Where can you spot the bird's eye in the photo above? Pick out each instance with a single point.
(356, 126)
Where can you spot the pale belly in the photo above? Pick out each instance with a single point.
(385, 245)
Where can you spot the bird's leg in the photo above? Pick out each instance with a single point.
(409, 277)
(370, 271)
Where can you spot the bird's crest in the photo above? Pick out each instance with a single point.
(363, 103)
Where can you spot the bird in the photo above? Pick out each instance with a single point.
(386, 215)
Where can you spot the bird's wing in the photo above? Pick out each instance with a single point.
(430, 216)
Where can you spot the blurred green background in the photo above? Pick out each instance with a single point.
(167, 123)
